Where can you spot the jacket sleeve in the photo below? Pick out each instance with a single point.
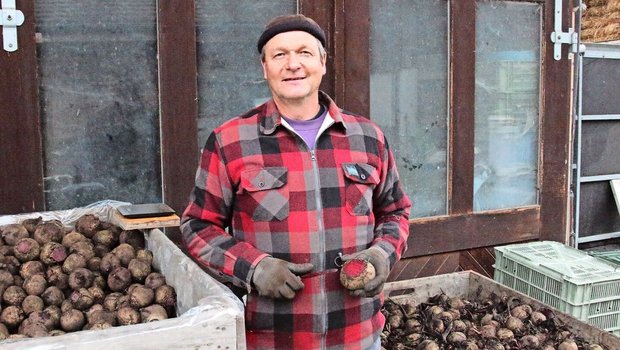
(208, 216)
(391, 209)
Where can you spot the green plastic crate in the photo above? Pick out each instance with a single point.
(565, 278)
(612, 256)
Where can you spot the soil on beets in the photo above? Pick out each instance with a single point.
(433, 324)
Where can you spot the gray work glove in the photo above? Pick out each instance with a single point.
(380, 260)
(276, 278)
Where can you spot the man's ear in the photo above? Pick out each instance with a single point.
(262, 64)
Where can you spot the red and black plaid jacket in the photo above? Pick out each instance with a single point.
(260, 191)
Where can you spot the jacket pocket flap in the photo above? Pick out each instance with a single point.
(263, 179)
(361, 173)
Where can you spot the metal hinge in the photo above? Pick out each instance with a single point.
(10, 19)
(558, 37)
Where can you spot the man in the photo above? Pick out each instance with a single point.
(287, 192)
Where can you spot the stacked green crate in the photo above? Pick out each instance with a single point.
(613, 256)
(565, 278)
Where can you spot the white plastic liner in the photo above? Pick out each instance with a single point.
(210, 316)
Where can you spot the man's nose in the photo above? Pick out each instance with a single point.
(293, 62)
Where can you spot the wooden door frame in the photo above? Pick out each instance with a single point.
(347, 23)
(21, 177)
(549, 219)
(178, 96)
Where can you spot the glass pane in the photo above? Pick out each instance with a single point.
(408, 94)
(508, 38)
(599, 147)
(230, 77)
(601, 86)
(598, 211)
(99, 101)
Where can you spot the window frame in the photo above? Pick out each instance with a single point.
(548, 219)
(347, 80)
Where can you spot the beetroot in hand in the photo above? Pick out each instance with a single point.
(355, 273)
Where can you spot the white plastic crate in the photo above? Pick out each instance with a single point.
(565, 278)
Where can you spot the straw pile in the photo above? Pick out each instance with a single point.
(601, 21)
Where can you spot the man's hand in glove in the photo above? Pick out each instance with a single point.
(276, 278)
(379, 260)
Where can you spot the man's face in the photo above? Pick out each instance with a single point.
(293, 66)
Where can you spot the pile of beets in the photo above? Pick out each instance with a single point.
(93, 275)
(496, 323)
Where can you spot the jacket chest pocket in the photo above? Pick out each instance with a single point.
(360, 182)
(264, 194)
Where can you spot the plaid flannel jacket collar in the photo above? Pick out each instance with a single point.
(272, 118)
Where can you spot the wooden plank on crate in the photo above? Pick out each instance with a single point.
(172, 220)
(473, 286)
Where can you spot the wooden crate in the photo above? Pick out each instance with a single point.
(209, 317)
(473, 286)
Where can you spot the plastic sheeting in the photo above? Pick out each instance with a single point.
(210, 316)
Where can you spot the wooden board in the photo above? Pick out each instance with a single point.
(145, 223)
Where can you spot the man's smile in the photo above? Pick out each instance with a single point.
(294, 79)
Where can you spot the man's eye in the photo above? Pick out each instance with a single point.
(306, 53)
(278, 55)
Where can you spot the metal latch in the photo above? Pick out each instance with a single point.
(558, 37)
(10, 19)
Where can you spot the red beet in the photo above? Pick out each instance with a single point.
(53, 253)
(26, 249)
(356, 273)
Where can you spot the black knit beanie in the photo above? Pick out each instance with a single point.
(288, 23)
